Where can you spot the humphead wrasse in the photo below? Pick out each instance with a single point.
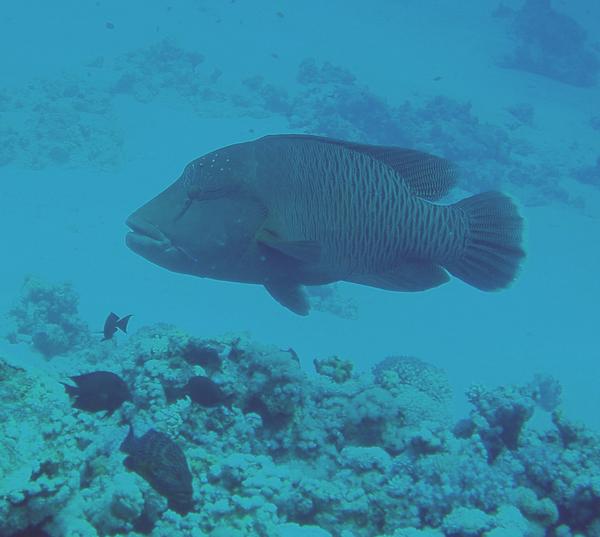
(286, 211)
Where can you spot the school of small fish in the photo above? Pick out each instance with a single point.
(154, 456)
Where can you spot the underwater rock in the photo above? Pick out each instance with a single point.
(329, 298)
(522, 112)
(146, 72)
(334, 367)
(43, 448)
(201, 390)
(589, 175)
(505, 412)
(550, 43)
(465, 522)
(395, 371)
(273, 386)
(48, 315)
(370, 456)
(64, 121)
(292, 529)
(203, 353)
(539, 510)
(162, 463)
(546, 391)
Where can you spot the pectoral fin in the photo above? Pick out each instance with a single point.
(410, 276)
(290, 295)
(305, 251)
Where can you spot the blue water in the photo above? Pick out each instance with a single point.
(103, 103)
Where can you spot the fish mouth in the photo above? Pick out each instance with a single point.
(150, 242)
(143, 234)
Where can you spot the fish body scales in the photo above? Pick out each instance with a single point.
(359, 210)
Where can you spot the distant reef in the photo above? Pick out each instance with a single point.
(284, 452)
(72, 120)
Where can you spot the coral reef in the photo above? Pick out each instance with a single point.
(549, 43)
(339, 453)
(334, 367)
(67, 121)
(589, 175)
(47, 316)
(332, 102)
(329, 298)
(72, 121)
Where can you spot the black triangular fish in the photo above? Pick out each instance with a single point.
(114, 323)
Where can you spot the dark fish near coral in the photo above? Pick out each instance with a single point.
(162, 463)
(201, 390)
(114, 323)
(32, 531)
(100, 390)
(292, 210)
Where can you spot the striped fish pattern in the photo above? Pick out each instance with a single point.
(286, 211)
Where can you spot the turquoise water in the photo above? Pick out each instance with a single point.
(102, 104)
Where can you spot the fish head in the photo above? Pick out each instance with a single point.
(205, 223)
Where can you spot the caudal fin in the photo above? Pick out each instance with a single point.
(122, 323)
(493, 242)
(128, 444)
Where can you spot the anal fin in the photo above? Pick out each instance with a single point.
(410, 276)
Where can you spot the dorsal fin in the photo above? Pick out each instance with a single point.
(428, 177)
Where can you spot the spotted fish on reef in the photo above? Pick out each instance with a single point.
(99, 390)
(291, 210)
(162, 463)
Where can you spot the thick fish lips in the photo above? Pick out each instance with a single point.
(150, 242)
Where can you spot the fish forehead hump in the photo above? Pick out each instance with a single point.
(232, 164)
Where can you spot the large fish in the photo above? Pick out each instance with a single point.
(291, 210)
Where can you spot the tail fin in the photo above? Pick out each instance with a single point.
(122, 323)
(493, 249)
(128, 444)
(71, 390)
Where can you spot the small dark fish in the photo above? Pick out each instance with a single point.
(162, 463)
(110, 26)
(293, 354)
(33, 531)
(201, 390)
(100, 390)
(114, 323)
